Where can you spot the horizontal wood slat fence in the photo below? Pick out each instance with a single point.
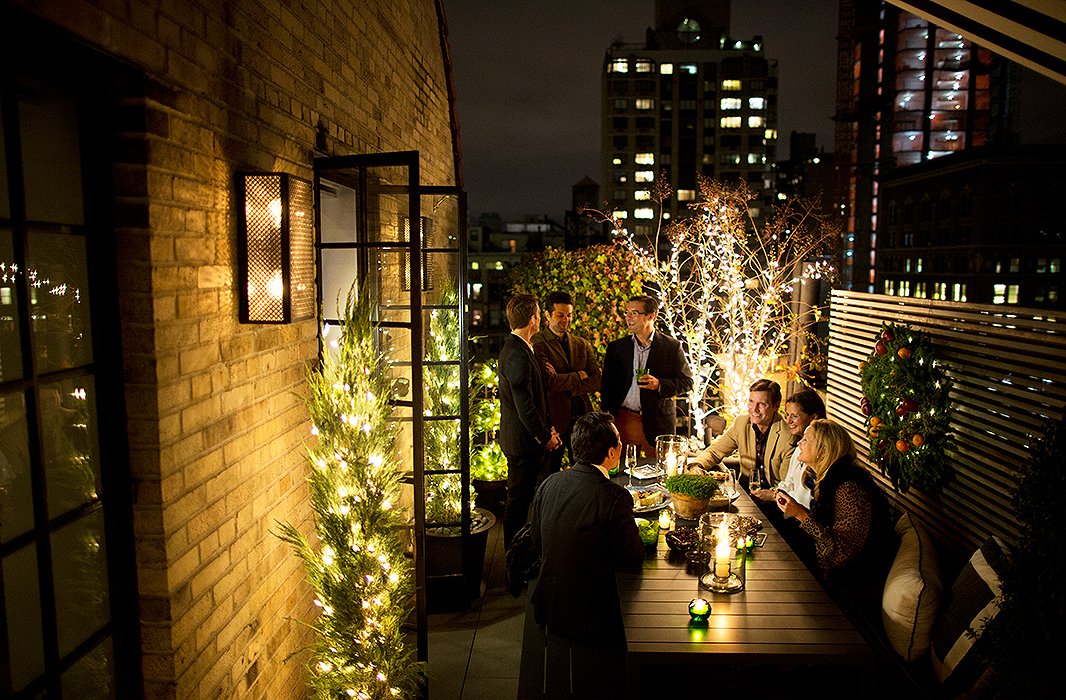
(1008, 366)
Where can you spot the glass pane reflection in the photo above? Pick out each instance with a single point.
(22, 611)
(10, 342)
(93, 674)
(16, 503)
(71, 454)
(59, 296)
(80, 566)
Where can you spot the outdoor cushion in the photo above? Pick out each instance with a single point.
(974, 601)
(913, 591)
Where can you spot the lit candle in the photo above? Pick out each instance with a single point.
(722, 551)
(665, 519)
(699, 609)
(671, 463)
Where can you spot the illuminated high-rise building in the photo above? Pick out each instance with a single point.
(688, 101)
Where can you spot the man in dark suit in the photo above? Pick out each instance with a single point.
(642, 373)
(525, 434)
(573, 374)
(583, 527)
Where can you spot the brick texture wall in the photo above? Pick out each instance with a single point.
(216, 427)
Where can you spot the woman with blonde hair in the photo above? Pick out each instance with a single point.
(848, 518)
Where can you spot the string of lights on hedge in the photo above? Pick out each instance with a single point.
(907, 408)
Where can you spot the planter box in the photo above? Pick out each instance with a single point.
(454, 566)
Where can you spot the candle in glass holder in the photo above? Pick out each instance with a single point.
(665, 519)
(722, 551)
(671, 463)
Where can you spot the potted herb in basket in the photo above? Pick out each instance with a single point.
(691, 493)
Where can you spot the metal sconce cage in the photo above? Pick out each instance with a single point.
(275, 248)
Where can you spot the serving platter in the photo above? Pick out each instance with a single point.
(645, 472)
(650, 489)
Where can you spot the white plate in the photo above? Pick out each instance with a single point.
(646, 471)
(658, 506)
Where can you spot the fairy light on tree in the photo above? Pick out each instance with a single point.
(730, 288)
(361, 580)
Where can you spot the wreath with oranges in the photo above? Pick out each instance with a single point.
(907, 408)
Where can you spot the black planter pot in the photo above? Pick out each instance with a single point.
(453, 567)
(491, 495)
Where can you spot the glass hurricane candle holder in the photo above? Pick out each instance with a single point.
(670, 453)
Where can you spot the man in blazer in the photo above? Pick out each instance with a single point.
(759, 437)
(525, 433)
(584, 529)
(572, 371)
(644, 407)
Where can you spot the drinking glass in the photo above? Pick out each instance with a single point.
(631, 461)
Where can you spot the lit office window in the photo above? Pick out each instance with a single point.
(890, 287)
(644, 159)
(666, 69)
(1054, 267)
(708, 159)
(1015, 264)
(686, 195)
(689, 68)
(1041, 265)
(907, 265)
(620, 214)
(644, 66)
(731, 103)
(756, 122)
(644, 176)
(999, 293)
(475, 265)
(499, 264)
(475, 292)
(1012, 294)
(756, 158)
(918, 267)
(730, 122)
(770, 134)
(757, 103)
(642, 195)
(729, 159)
(644, 213)
(905, 288)
(618, 65)
(959, 292)
(617, 160)
(645, 103)
(730, 85)
(1053, 293)
(919, 290)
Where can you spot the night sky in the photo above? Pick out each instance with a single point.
(527, 78)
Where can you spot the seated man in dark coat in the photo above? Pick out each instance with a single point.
(584, 528)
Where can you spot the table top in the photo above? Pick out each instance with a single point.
(783, 615)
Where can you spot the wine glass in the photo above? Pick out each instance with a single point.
(631, 461)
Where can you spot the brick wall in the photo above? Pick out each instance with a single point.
(216, 431)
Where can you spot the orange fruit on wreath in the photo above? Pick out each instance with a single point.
(917, 440)
(904, 353)
(902, 445)
(875, 421)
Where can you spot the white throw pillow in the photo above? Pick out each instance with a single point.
(913, 591)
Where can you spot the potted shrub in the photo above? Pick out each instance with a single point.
(691, 493)
(488, 465)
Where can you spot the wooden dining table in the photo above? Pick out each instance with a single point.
(783, 627)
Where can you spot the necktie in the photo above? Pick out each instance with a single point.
(564, 340)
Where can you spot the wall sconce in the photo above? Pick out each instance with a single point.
(275, 248)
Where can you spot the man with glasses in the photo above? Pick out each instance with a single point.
(642, 373)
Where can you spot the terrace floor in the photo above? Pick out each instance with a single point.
(475, 655)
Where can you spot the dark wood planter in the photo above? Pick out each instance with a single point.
(491, 495)
(454, 566)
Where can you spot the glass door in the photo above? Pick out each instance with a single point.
(379, 227)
